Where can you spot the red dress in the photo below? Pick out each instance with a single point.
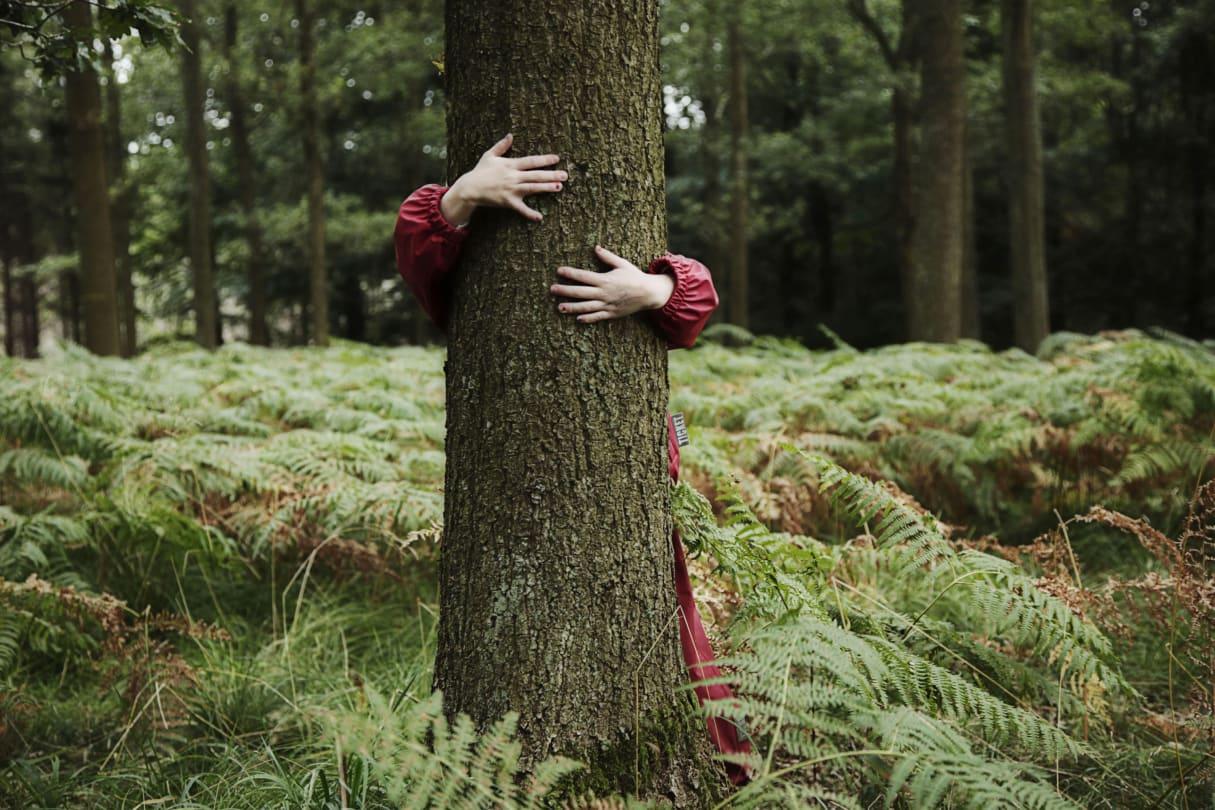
(428, 246)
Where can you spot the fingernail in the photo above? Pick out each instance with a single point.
(564, 176)
(557, 186)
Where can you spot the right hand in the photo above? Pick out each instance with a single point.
(501, 182)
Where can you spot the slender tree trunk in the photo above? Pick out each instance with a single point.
(120, 209)
(556, 578)
(710, 153)
(935, 302)
(1026, 202)
(1197, 66)
(971, 322)
(92, 196)
(259, 333)
(10, 308)
(904, 188)
(31, 331)
(318, 284)
(738, 302)
(205, 322)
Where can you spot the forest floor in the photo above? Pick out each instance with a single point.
(993, 571)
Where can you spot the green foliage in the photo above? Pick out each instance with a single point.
(998, 442)
(224, 559)
(34, 28)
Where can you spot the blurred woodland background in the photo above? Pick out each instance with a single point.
(834, 162)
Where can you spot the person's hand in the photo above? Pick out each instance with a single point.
(501, 182)
(618, 292)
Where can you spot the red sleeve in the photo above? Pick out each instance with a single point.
(692, 301)
(427, 247)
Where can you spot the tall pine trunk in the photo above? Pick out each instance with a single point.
(10, 306)
(96, 240)
(120, 209)
(318, 284)
(1022, 125)
(259, 333)
(556, 582)
(31, 331)
(972, 326)
(934, 303)
(737, 303)
(205, 321)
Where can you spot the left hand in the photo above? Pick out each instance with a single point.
(621, 291)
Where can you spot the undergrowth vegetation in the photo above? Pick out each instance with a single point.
(948, 577)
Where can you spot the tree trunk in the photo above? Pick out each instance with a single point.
(120, 209)
(904, 187)
(205, 322)
(971, 321)
(318, 285)
(10, 308)
(934, 305)
(259, 333)
(31, 331)
(556, 581)
(710, 151)
(1022, 125)
(92, 195)
(738, 303)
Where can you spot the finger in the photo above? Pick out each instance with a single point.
(578, 307)
(522, 207)
(502, 146)
(536, 188)
(542, 177)
(610, 257)
(595, 317)
(585, 276)
(574, 291)
(535, 161)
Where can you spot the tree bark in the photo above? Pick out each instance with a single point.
(710, 150)
(96, 241)
(31, 331)
(318, 284)
(1026, 213)
(10, 307)
(205, 322)
(738, 302)
(971, 320)
(934, 305)
(259, 333)
(120, 209)
(556, 582)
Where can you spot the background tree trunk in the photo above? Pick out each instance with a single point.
(972, 326)
(10, 308)
(205, 322)
(92, 196)
(31, 331)
(259, 333)
(737, 302)
(120, 209)
(556, 583)
(1022, 125)
(710, 152)
(934, 305)
(318, 284)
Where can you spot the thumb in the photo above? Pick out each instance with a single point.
(502, 146)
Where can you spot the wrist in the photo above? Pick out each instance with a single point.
(456, 206)
(661, 287)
